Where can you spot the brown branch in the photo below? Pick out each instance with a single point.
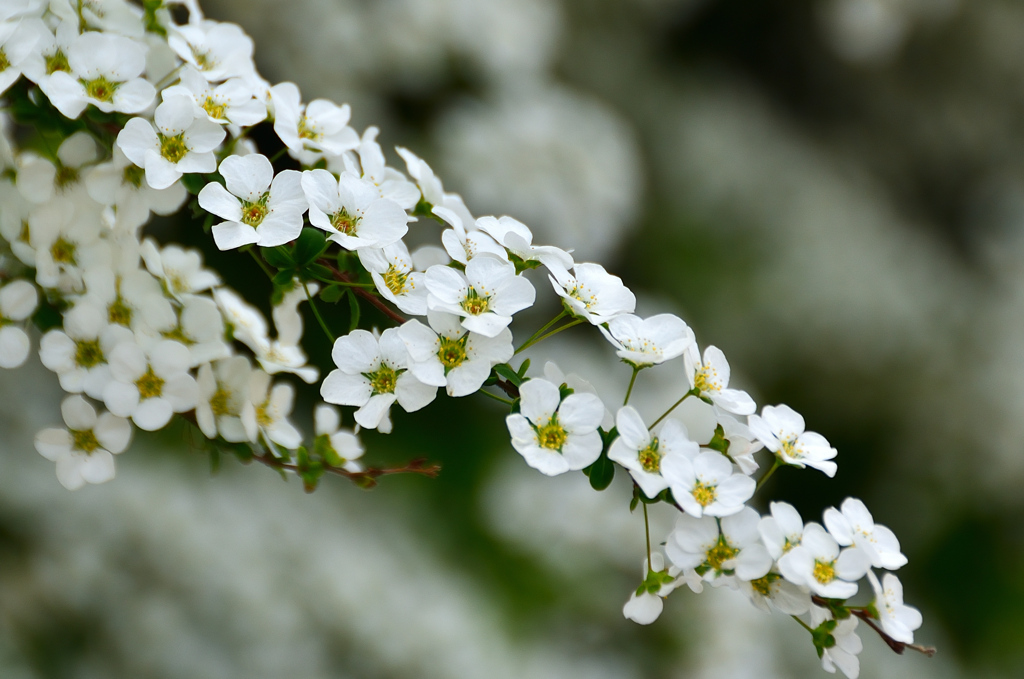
(507, 387)
(897, 646)
(345, 277)
(366, 478)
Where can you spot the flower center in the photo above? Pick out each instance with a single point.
(84, 440)
(178, 335)
(704, 494)
(383, 380)
(452, 352)
(396, 279)
(219, 402)
(173, 149)
(706, 380)
(791, 450)
(63, 251)
(150, 385)
(65, 176)
(88, 353)
(307, 129)
(343, 222)
(254, 213)
(824, 571)
(119, 313)
(580, 294)
(99, 88)
(263, 417)
(132, 175)
(720, 553)
(214, 108)
(58, 61)
(203, 59)
(650, 458)
(5, 63)
(552, 435)
(763, 585)
(474, 304)
(25, 234)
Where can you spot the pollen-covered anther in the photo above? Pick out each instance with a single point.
(552, 435)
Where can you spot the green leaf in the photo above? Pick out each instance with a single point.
(308, 246)
(719, 442)
(602, 472)
(194, 182)
(523, 368)
(636, 499)
(47, 317)
(332, 293)
(506, 371)
(353, 306)
(279, 257)
(283, 279)
(319, 272)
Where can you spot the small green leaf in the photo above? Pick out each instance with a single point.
(283, 279)
(319, 272)
(279, 257)
(636, 499)
(602, 472)
(332, 293)
(353, 306)
(308, 246)
(47, 317)
(506, 371)
(719, 442)
(194, 182)
(523, 368)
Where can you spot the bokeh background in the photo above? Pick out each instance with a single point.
(832, 191)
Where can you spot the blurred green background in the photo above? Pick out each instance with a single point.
(832, 191)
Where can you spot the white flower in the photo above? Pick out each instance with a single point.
(352, 211)
(267, 413)
(555, 435)
(312, 130)
(372, 374)
(79, 354)
(231, 102)
(50, 54)
(84, 451)
(445, 354)
(781, 429)
(711, 378)
(66, 240)
(898, 620)
(644, 342)
(391, 269)
(772, 589)
(18, 300)
(517, 238)
(39, 179)
(150, 385)
(259, 207)
(783, 530)
(119, 185)
(817, 563)
(218, 50)
(341, 448)
(180, 143)
(390, 183)
(719, 547)
(644, 454)
(105, 72)
(430, 185)
(554, 374)
(485, 296)
(843, 655)
(223, 393)
(646, 603)
(707, 485)
(131, 298)
(18, 40)
(181, 270)
(592, 293)
(462, 245)
(854, 526)
(200, 327)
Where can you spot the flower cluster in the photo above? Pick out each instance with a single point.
(156, 117)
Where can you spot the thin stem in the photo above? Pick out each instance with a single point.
(500, 399)
(259, 260)
(629, 391)
(803, 624)
(537, 334)
(692, 392)
(274, 158)
(343, 277)
(647, 532)
(167, 78)
(768, 474)
(316, 312)
(346, 284)
(553, 332)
